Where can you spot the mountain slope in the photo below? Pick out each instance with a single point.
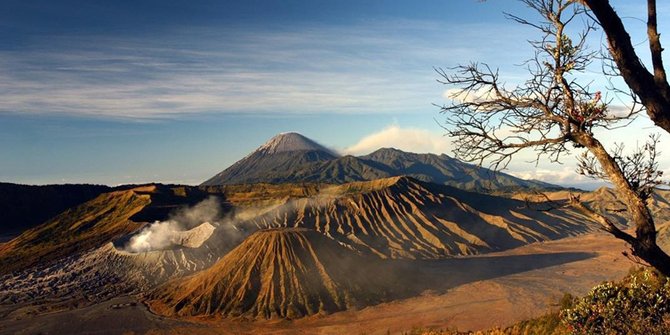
(292, 158)
(276, 161)
(393, 218)
(93, 224)
(445, 170)
(102, 273)
(278, 273)
(343, 170)
(291, 141)
(401, 217)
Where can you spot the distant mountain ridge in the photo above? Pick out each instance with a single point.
(293, 158)
(26, 206)
(443, 169)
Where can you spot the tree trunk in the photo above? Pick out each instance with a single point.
(654, 255)
(644, 243)
(653, 91)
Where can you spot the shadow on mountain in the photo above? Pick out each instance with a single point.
(165, 199)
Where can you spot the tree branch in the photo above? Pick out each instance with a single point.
(491, 122)
(655, 44)
(606, 224)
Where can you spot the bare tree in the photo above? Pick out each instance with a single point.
(552, 112)
(651, 88)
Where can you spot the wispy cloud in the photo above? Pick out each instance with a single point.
(564, 175)
(406, 139)
(371, 67)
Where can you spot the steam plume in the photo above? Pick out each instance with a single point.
(189, 226)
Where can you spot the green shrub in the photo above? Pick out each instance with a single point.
(640, 304)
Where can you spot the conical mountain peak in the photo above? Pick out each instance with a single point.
(291, 141)
(280, 159)
(276, 273)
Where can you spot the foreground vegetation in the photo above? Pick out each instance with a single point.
(638, 304)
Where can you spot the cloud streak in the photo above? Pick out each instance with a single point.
(366, 68)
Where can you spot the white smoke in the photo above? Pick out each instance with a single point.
(208, 210)
(156, 236)
(190, 227)
(164, 234)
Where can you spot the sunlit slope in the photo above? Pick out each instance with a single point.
(91, 224)
(604, 200)
(396, 217)
(401, 217)
(277, 273)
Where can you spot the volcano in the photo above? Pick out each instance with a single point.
(294, 158)
(279, 159)
(404, 218)
(276, 273)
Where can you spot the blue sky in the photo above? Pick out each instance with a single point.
(120, 92)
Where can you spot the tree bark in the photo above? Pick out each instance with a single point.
(652, 89)
(653, 255)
